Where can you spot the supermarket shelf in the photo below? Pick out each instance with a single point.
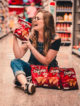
(65, 11)
(63, 32)
(65, 43)
(16, 6)
(4, 19)
(76, 38)
(64, 22)
(21, 6)
(77, 52)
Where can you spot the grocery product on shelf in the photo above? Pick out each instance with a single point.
(70, 17)
(61, 5)
(3, 18)
(64, 20)
(66, 17)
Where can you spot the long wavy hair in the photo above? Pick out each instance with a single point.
(48, 32)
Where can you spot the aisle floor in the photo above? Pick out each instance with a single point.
(11, 96)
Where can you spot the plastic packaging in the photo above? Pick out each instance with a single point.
(23, 30)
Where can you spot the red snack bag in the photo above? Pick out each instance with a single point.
(39, 75)
(23, 30)
(68, 78)
(54, 78)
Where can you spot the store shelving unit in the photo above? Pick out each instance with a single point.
(4, 29)
(64, 20)
(76, 31)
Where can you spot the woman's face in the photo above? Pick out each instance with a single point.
(38, 22)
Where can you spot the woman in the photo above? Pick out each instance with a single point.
(43, 44)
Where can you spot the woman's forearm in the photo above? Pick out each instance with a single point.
(46, 60)
(16, 48)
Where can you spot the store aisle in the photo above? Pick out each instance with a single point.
(11, 96)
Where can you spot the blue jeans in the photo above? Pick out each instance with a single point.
(20, 67)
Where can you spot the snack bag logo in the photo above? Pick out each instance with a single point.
(45, 74)
(54, 71)
(39, 71)
(68, 73)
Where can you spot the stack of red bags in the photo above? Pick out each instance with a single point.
(60, 78)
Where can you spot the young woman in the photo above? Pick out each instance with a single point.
(43, 44)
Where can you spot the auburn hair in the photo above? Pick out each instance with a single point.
(48, 31)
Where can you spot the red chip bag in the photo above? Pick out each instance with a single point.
(39, 75)
(54, 78)
(68, 78)
(60, 78)
(23, 30)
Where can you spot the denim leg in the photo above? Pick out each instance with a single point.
(20, 67)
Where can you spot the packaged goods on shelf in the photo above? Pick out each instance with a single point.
(64, 20)
(3, 18)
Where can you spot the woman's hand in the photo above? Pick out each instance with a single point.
(28, 43)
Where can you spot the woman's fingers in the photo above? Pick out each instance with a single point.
(27, 37)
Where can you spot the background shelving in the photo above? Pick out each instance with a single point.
(76, 31)
(3, 18)
(64, 21)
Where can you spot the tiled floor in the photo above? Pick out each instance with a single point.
(11, 96)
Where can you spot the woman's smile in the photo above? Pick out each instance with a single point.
(38, 22)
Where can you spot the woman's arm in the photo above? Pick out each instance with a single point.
(42, 59)
(18, 50)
